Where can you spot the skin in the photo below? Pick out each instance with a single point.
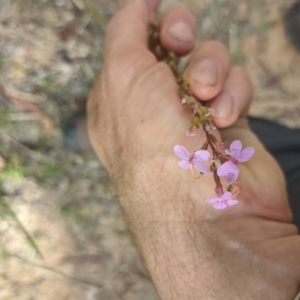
(249, 251)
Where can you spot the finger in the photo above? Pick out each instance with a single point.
(178, 31)
(207, 69)
(234, 100)
(127, 32)
(153, 5)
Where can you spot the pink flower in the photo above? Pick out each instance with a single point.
(210, 128)
(211, 111)
(196, 108)
(195, 160)
(229, 169)
(222, 202)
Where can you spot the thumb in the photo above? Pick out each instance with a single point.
(127, 31)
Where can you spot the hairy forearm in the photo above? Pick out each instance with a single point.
(170, 228)
(167, 246)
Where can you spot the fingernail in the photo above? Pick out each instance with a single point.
(224, 109)
(181, 31)
(153, 5)
(205, 72)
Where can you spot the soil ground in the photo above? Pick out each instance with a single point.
(50, 55)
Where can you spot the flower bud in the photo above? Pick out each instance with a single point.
(203, 110)
(158, 50)
(156, 34)
(171, 55)
(195, 122)
(191, 101)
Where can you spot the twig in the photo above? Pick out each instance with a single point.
(97, 285)
(26, 96)
(23, 117)
(26, 151)
(56, 271)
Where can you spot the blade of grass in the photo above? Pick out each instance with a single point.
(29, 238)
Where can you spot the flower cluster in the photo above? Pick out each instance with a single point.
(227, 159)
(220, 161)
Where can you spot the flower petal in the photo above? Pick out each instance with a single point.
(184, 164)
(226, 168)
(246, 154)
(220, 205)
(232, 176)
(201, 155)
(212, 200)
(232, 202)
(202, 168)
(226, 196)
(235, 148)
(181, 152)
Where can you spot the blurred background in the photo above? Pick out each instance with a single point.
(62, 233)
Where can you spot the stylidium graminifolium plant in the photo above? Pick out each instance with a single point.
(221, 161)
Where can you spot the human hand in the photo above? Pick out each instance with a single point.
(249, 251)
